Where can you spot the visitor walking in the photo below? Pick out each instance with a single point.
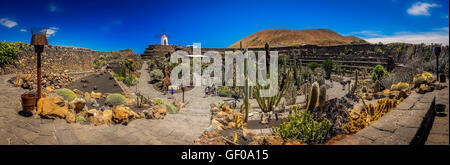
(331, 83)
(172, 91)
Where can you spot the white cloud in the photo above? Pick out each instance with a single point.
(51, 31)
(421, 8)
(8, 23)
(414, 38)
(441, 29)
(23, 30)
(367, 33)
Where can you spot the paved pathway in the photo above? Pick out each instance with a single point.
(181, 128)
(439, 131)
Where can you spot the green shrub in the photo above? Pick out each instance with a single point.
(100, 62)
(224, 92)
(80, 119)
(151, 64)
(9, 51)
(158, 101)
(67, 94)
(129, 80)
(313, 65)
(378, 72)
(115, 99)
(327, 65)
(172, 109)
(157, 74)
(301, 125)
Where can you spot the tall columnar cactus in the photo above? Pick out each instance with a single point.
(313, 100)
(246, 90)
(268, 104)
(323, 95)
(295, 68)
(355, 86)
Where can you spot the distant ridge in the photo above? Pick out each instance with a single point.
(292, 37)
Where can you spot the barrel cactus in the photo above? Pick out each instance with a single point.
(67, 94)
(394, 87)
(419, 79)
(313, 100)
(402, 85)
(115, 99)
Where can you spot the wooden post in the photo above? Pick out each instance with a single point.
(39, 49)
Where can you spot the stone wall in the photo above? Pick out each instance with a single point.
(407, 124)
(400, 53)
(57, 59)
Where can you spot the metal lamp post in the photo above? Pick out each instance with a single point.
(437, 52)
(39, 40)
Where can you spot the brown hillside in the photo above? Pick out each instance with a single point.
(291, 37)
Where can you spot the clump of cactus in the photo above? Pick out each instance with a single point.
(268, 104)
(302, 126)
(422, 78)
(157, 74)
(115, 99)
(399, 86)
(80, 119)
(368, 114)
(172, 109)
(67, 94)
(158, 101)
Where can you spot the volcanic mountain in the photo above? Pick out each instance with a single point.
(292, 37)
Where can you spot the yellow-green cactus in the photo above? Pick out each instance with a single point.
(313, 100)
(402, 85)
(67, 94)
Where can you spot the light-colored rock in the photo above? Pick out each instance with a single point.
(95, 117)
(53, 107)
(97, 95)
(107, 117)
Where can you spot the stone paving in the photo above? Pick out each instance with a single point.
(439, 131)
(181, 128)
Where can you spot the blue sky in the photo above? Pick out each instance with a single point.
(113, 25)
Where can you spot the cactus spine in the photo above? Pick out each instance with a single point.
(313, 98)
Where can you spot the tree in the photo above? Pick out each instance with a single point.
(327, 65)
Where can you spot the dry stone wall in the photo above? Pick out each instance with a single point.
(399, 52)
(57, 59)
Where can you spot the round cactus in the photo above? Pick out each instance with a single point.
(394, 87)
(427, 75)
(419, 79)
(67, 94)
(402, 85)
(115, 99)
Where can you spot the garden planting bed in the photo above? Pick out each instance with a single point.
(102, 82)
(401, 116)
(98, 99)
